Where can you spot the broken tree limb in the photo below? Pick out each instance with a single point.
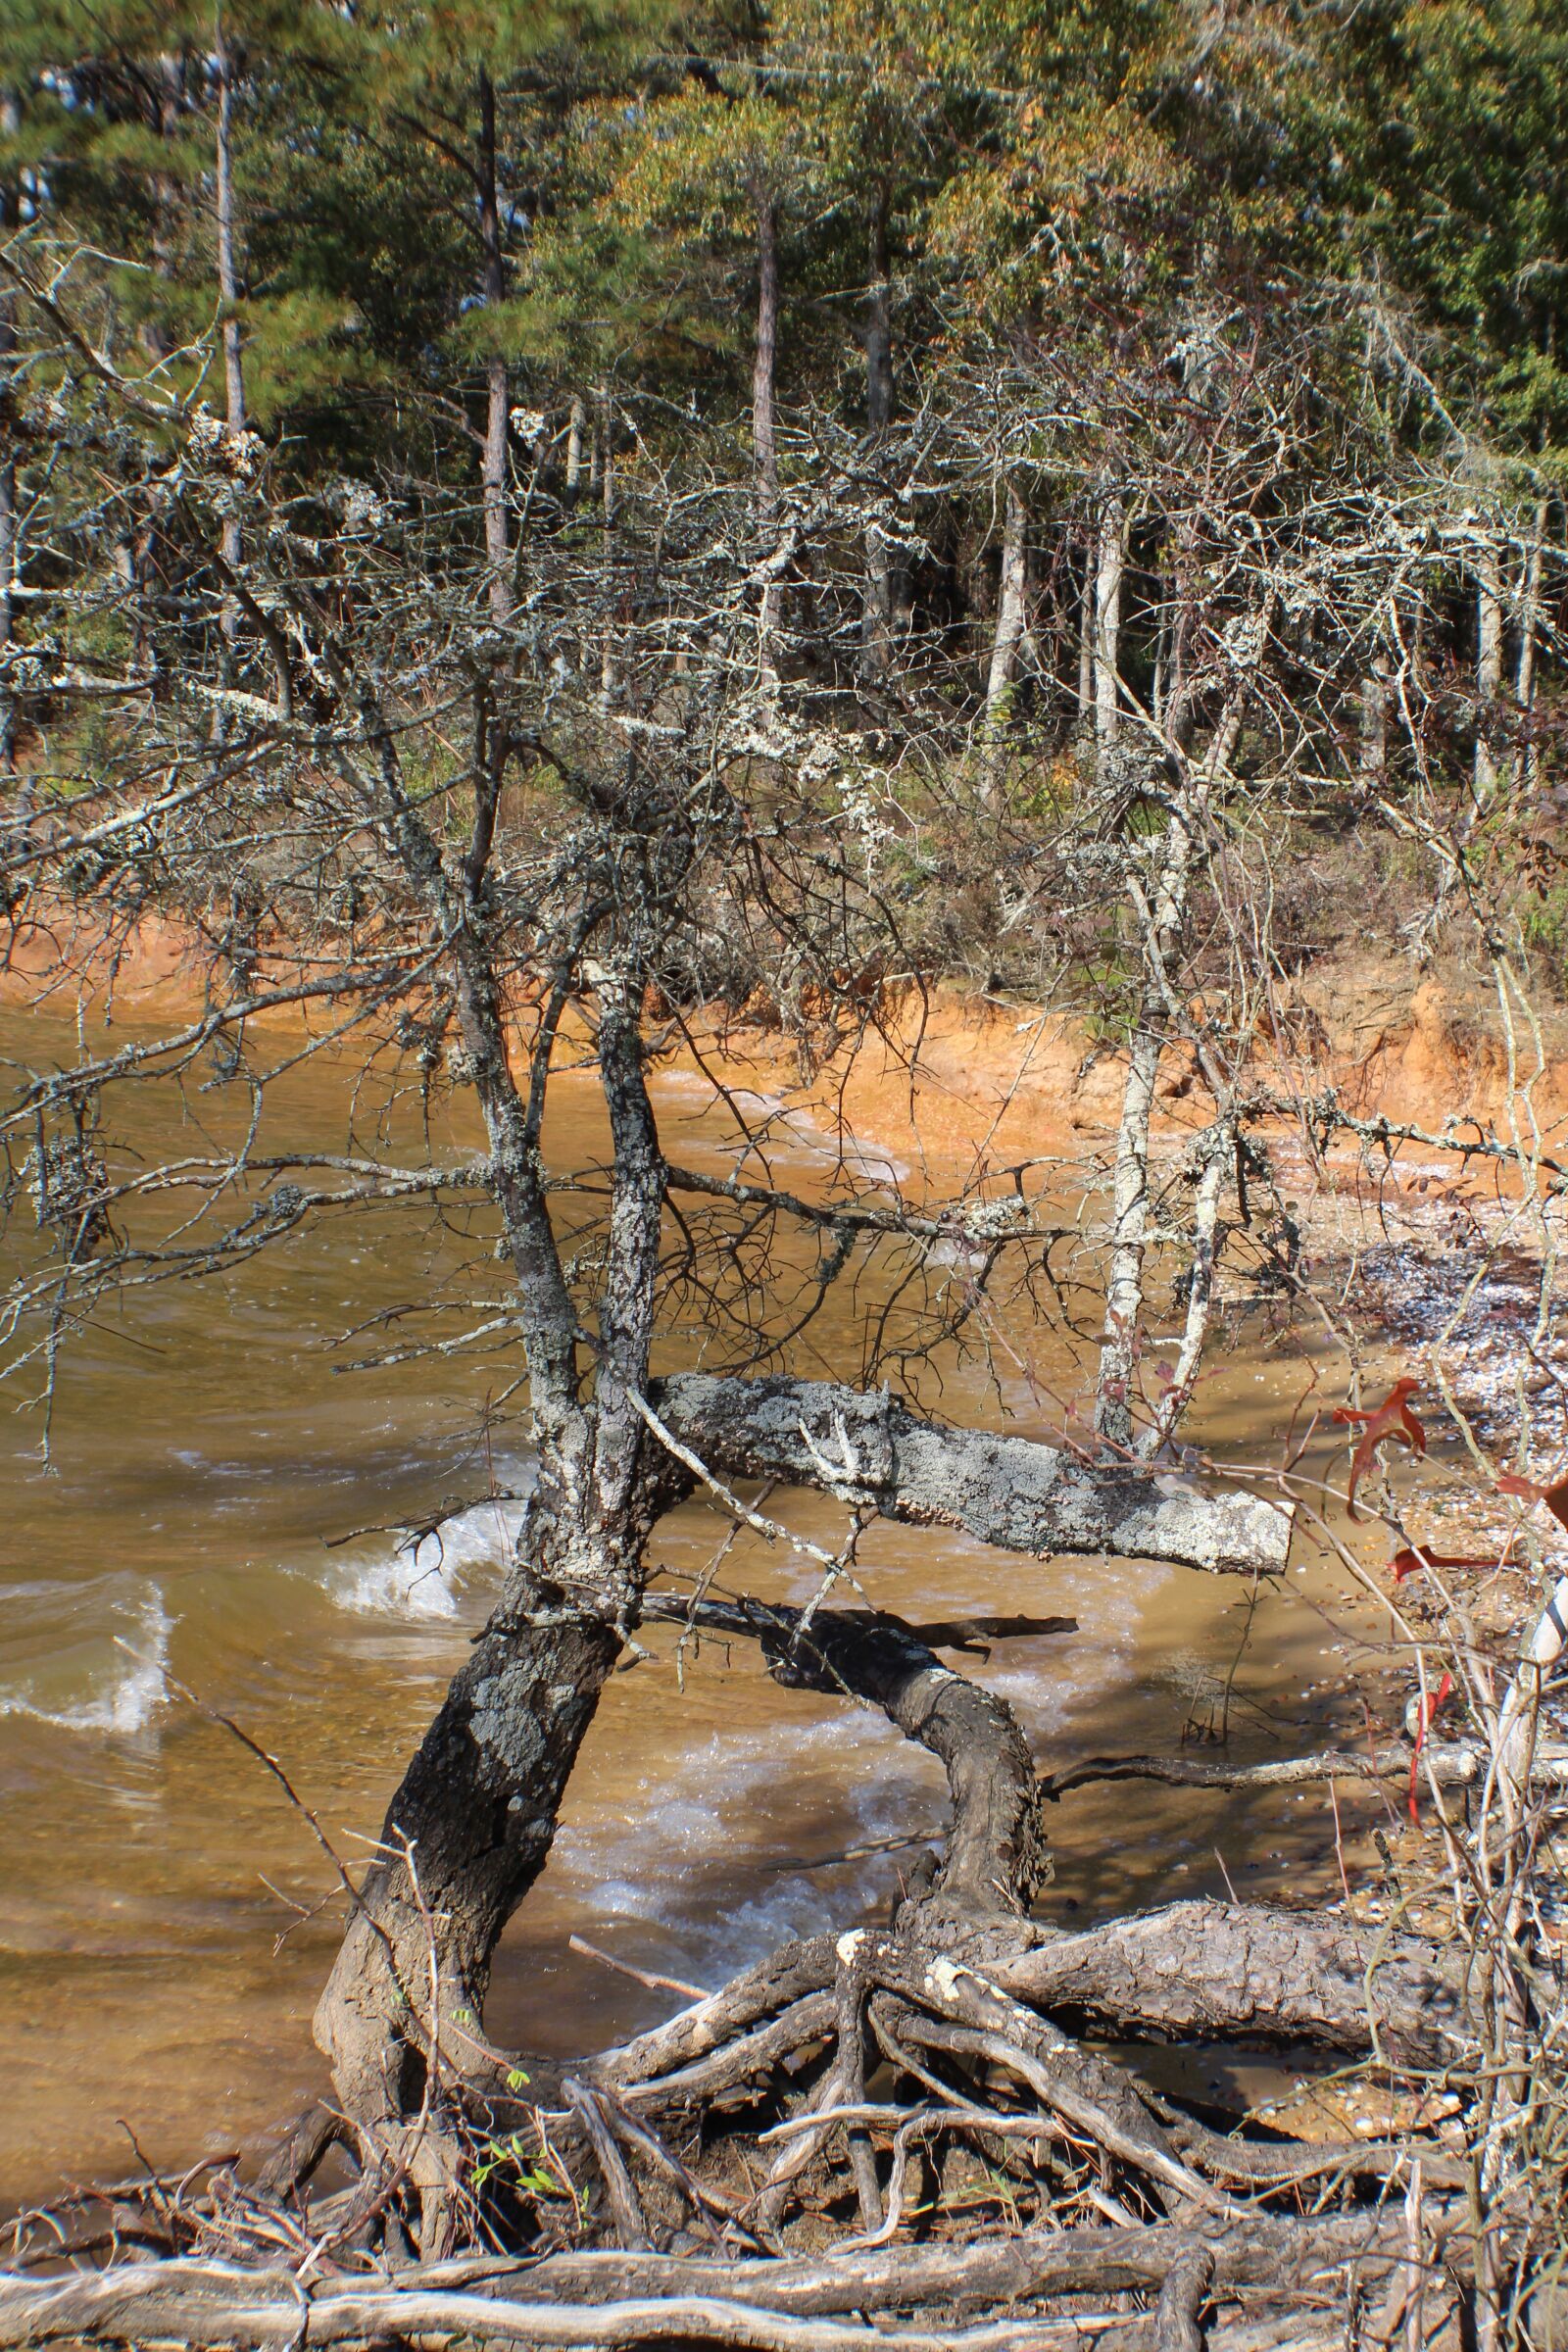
(1016, 1493)
(735, 2062)
(793, 1973)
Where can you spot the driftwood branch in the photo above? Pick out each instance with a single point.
(603, 2299)
(1197, 1971)
(1456, 1764)
(1251, 2251)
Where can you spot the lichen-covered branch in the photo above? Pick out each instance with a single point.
(1016, 1493)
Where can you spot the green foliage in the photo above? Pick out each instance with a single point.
(1089, 163)
(527, 2172)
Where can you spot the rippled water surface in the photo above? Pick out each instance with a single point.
(159, 1959)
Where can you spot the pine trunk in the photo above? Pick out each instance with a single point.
(231, 540)
(764, 444)
(497, 391)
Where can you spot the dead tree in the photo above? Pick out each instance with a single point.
(414, 832)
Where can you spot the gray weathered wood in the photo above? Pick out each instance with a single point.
(1012, 1491)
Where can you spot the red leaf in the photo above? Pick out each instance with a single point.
(1429, 1707)
(1414, 1557)
(1555, 1498)
(1392, 1418)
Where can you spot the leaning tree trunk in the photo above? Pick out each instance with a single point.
(479, 1804)
(469, 1829)
(471, 1824)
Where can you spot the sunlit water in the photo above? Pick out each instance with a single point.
(160, 1947)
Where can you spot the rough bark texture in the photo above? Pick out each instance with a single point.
(1011, 1491)
(470, 1828)
(478, 1807)
(1206, 1970)
(1258, 2250)
(1194, 1971)
(479, 1804)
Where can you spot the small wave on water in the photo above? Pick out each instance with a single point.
(103, 1681)
(419, 1576)
(669, 1857)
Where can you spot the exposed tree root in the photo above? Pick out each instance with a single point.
(846, 2104)
(255, 2312)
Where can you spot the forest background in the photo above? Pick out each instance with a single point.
(998, 358)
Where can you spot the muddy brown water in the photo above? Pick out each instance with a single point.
(157, 1976)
